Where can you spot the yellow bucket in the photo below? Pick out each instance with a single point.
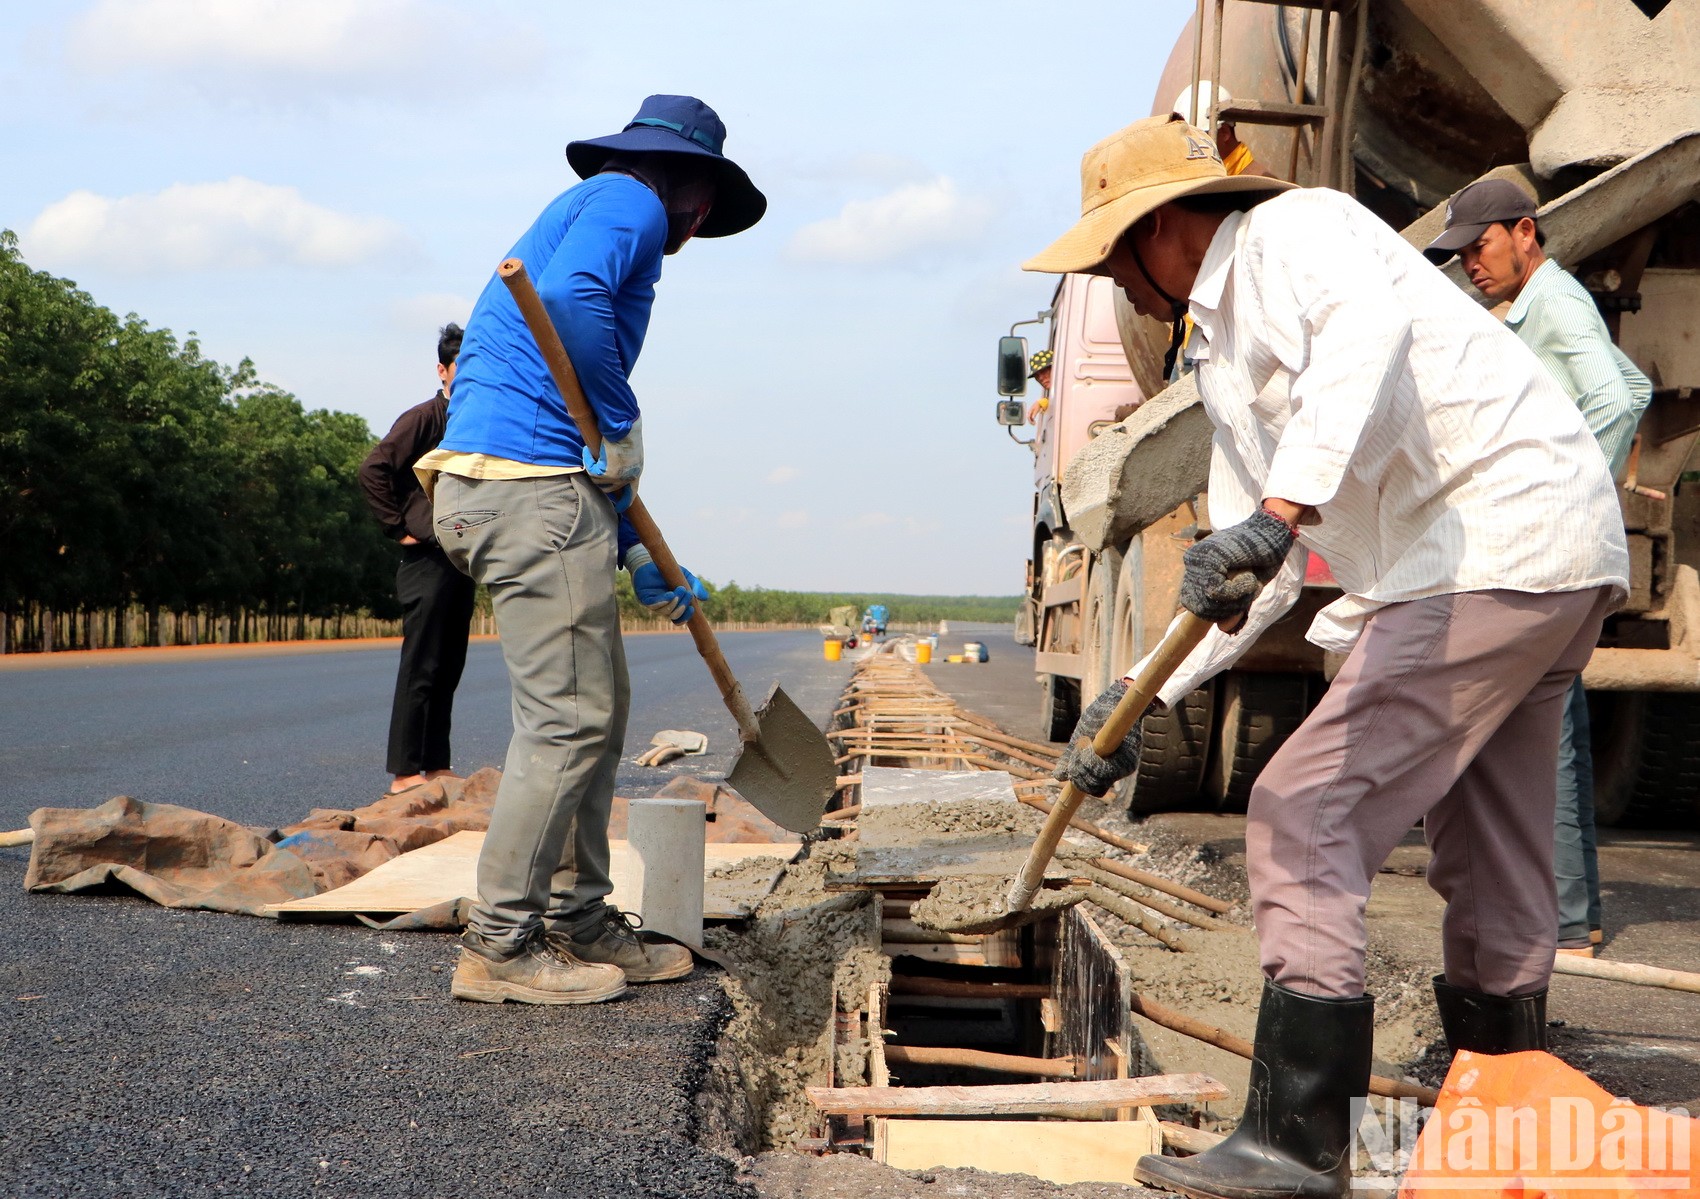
(834, 649)
(923, 652)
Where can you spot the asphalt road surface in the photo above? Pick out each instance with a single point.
(151, 1052)
(262, 740)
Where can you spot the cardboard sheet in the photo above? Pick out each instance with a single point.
(448, 870)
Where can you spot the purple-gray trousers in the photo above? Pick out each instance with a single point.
(1446, 711)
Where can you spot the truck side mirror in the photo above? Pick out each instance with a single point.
(1012, 413)
(1012, 367)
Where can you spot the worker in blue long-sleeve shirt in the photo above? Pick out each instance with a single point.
(523, 508)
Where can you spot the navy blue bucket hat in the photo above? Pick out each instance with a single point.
(681, 125)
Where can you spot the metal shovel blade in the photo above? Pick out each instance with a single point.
(787, 772)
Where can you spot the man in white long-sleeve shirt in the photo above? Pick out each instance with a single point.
(1365, 408)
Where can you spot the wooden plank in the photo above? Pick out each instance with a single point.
(990, 953)
(1188, 1139)
(1102, 1151)
(1019, 1099)
(444, 870)
(448, 870)
(878, 1071)
(907, 984)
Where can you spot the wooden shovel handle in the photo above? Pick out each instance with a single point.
(512, 273)
(1188, 631)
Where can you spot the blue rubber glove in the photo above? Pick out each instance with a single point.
(671, 603)
(616, 466)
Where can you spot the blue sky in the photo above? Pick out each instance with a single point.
(319, 184)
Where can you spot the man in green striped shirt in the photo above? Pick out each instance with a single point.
(1491, 225)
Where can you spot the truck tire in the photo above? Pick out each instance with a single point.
(1098, 624)
(1646, 759)
(1173, 754)
(1255, 714)
(1059, 706)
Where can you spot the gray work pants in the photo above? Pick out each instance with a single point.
(545, 548)
(1447, 710)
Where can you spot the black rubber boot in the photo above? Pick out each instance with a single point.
(1490, 1023)
(1311, 1059)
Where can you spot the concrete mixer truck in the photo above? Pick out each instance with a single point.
(1592, 107)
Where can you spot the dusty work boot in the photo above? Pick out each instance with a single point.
(1485, 1023)
(615, 937)
(538, 973)
(1311, 1060)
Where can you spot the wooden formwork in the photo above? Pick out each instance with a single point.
(1081, 1110)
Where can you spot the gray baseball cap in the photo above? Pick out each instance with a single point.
(1470, 212)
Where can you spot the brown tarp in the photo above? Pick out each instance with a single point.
(181, 858)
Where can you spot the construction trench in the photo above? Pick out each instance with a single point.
(878, 1012)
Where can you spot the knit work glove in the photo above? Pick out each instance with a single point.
(1080, 763)
(669, 603)
(1226, 570)
(617, 465)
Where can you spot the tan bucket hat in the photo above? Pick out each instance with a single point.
(1132, 172)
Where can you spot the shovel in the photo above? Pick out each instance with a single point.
(1170, 653)
(784, 764)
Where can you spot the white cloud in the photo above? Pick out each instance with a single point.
(797, 519)
(915, 220)
(783, 474)
(235, 224)
(253, 45)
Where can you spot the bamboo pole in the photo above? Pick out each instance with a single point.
(1129, 912)
(1167, 886)
(1627, 972)
(980, 1059)
(1103, 834)
(1111, 881)
(1198, 1030)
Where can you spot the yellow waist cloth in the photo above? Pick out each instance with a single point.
(479, 466)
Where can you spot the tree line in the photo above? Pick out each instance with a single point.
(152, 496)
(761, 605)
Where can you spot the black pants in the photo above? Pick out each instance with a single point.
(436, 612)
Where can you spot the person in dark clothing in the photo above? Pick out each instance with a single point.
(436, 599)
